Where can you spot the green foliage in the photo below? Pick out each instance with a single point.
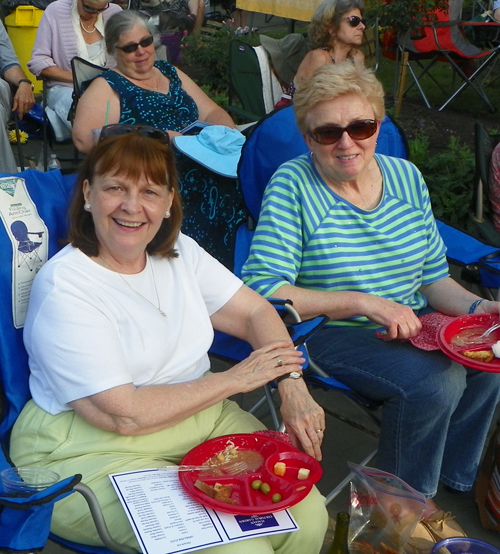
(221, 98)
(404, 15)
(210, 54)
(449, 177)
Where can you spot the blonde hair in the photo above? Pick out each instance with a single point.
(331, 81)
(327, 15)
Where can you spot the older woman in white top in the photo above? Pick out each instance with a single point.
(68, 28)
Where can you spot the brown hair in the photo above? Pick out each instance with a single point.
(327, 15)
(130, 155)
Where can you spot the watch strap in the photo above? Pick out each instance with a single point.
(26, 81)
(289, 376)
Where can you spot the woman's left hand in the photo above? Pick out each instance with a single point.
(303, 417)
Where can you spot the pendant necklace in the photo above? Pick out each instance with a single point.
(137, 292)
(84, 29)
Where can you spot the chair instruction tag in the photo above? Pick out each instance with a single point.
(29, 238)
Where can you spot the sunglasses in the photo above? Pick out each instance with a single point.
(88, 9)
(118, 130)
(355, 20)
(330, 134)
(129, 48)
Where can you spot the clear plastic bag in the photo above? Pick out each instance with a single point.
(384, 512)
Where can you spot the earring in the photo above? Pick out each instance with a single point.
(87, 207)
(167, 214)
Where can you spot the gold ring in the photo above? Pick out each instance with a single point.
(279, 362)
(319, 430)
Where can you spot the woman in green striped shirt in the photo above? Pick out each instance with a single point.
(350, 233)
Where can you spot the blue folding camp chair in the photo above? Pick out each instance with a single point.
(276, 139)
(25, 522)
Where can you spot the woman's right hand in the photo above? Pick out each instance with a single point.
(262, 366)
(400, 321)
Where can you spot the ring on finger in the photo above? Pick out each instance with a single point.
(319, 430)
(279, 362)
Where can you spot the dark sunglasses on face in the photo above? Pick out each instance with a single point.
(117, 130)
(355, 20)
(88, 9)
(129, 48)
(330, 134)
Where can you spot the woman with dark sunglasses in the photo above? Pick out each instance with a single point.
(350, 233)
(118, 330)
(68, 28)
(139, 90)
(335, 33)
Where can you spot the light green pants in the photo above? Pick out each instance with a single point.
(67, 444)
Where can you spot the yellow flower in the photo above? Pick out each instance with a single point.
(22, 135)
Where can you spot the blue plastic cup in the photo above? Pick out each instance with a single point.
(463, 545)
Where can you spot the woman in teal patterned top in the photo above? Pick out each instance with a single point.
(351, 234)
(140, 90)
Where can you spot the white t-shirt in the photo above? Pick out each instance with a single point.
(89, 329)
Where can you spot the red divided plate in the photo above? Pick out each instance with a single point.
(252, 502)
(469, 328)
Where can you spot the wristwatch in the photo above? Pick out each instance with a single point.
(292, 375)
(26, 81)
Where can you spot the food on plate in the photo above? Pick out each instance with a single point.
(279, 469)
(298, 489)
(496, 349)
(276, 497)
(265, 488)
(479, 355)
(227, 460)
(256, 484)
(303, 473)
(471, 337)
(219, 492)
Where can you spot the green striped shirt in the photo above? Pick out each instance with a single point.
(310, 237)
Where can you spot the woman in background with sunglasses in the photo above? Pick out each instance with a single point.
(119, 325)
(68, 28)
(335, 33)
(140, 91)
(350, 233)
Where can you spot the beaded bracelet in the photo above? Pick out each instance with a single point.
(474, 305)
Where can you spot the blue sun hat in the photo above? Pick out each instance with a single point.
(216, 147)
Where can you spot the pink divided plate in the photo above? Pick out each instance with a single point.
(250, 501)
(463, 333)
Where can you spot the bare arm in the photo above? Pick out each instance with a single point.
(91, 112)
(301, 414)
(449, 297)
(57, 74)
(208, 110)
(400, 321)
(23, 99)
(313, 59)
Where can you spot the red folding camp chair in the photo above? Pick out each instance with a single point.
(444, 40)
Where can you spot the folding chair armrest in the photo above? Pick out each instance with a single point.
(97, 516)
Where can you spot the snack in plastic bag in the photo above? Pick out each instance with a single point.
(384, 511)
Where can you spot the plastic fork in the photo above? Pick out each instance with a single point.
(226, 468)
(488, 332)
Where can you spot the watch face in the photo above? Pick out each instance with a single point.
(295, 375)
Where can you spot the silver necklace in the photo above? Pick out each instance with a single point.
(88, 32)
(137, 292)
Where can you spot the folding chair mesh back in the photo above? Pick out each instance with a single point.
(82, 71)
